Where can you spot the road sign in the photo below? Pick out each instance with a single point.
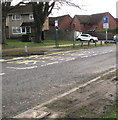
(105, 25)
(105, 20)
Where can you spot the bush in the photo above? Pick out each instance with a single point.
(25, 38)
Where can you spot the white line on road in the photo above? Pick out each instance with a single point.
(18, 58)
(84, 56)
(23, 68)
(2, 73)
(52, 63)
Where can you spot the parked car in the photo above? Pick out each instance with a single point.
(86, 37)
(115, 37)
(112, 42)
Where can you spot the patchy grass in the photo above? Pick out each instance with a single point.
(16, 43)
(109, 76)
(89, 105)
(111, 111)
(17, 48)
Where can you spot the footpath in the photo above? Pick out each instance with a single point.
(94, 99)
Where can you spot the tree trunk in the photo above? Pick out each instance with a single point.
(38, 34)
(41, 11)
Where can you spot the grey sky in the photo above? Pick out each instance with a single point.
(87, 7)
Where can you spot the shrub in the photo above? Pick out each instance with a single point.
(25, 38)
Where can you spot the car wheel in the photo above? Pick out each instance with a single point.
(91, 40)
(79, 39)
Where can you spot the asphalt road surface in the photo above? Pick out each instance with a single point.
(30, 81)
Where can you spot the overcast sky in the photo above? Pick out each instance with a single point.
(88, 7)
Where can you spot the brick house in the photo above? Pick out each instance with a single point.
(92, 22)
(20, 21)
(64, 22)
(117, 21)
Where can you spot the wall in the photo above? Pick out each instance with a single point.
(112, 22)
(65, 23)
(62, 35)
(76, 24)
(16, 23)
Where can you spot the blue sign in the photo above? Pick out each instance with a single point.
(105, 20)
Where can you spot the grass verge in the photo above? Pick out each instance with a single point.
(99, 105)
(17, 48)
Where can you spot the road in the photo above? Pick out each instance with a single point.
(30, 81)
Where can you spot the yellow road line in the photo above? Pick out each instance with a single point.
(38, 56)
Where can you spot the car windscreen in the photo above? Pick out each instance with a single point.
(84, 35)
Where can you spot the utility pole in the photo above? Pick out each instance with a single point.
(0, 58)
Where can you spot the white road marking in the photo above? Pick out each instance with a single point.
(18, 58)
(23, 68)
(2, 73)
(43, 65)
(2, 60)
(84, 56)
(95, 54)
(52, 63)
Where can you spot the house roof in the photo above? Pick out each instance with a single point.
(97, 17)
(24, 9)
(59, 18)
(84, 19)
(91, 19)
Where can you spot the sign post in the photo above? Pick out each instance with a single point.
(56, 34)
(106, 26)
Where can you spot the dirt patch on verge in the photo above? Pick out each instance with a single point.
(96, 100)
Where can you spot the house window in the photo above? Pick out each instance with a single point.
(16, 17)
(28, 30)
(23, 29)
(31, 17)
(16, 30)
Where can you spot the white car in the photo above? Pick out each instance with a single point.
(86, 37)
(115, 37)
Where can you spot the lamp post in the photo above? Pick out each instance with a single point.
(56, 33)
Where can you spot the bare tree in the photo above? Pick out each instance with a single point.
(41, 10)
(6, 6)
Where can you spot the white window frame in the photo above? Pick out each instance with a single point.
(31, 17)
(14, 17)
(29, 29)
(21, 30)
(16, 32)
